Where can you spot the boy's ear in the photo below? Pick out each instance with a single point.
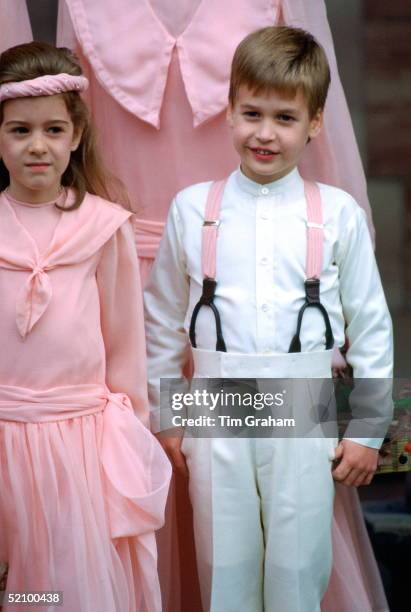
(316, 124)
(229, 115)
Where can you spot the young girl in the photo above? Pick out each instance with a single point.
(83, 483)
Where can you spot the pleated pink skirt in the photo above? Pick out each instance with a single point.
(80, 500)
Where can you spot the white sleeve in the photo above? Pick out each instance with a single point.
(369, 328)
(166, 300)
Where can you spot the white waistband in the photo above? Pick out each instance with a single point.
(215, 364)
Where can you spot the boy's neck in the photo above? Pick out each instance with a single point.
(264, 181)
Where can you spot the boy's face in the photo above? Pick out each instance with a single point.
(270, 132)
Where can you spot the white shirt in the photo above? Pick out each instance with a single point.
(260, 263)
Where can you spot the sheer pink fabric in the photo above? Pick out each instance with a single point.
(15, 25)
(355, 584)
(159, 98)
(53, 444)
(334, 157)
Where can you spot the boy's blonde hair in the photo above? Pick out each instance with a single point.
(285, 59)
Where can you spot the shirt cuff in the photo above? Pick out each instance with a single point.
(375, 443)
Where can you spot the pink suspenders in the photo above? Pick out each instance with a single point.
(314, 261)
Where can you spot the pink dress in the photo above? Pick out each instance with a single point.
(83, 484)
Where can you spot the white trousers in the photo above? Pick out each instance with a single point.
(262, 521)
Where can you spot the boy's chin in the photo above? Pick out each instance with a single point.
(264, 177)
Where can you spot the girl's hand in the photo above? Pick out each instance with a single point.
(172, 446)
(355, 464)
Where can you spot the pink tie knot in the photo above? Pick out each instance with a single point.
(33, 299)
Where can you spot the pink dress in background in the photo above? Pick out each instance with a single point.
(159, 83)
(15, 27)
(83, 483)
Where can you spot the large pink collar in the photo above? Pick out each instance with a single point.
(130, 50)
(78, 235)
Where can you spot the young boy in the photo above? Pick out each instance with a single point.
(263, 507)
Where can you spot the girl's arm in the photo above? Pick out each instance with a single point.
(122, 322)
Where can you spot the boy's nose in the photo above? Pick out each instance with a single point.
(265, 132)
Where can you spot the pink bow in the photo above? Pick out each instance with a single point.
(33, 300)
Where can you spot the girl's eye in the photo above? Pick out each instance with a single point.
(251, 114)
(55, 129)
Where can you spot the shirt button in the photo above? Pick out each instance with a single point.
(264, 307)
(264, 261)
(264, 216)
(265, 190)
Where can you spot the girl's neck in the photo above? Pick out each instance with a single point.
(32, 200)
(16, 199)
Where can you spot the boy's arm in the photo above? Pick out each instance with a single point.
(166, 301)
(370, 353)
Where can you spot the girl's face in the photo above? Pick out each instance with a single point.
(37, 137)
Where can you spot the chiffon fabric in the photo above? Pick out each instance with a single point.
(155, 163)
(159, 83)
(83, 483)
(15, 27)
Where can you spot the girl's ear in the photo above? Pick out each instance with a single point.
(76, 139)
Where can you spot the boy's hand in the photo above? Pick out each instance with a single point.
(172, 446)
(356, 464)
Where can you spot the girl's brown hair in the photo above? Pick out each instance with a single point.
(86, 171)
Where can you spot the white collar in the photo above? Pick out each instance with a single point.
(289, 182)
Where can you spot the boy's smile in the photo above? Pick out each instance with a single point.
(270, 132)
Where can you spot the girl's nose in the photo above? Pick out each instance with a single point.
(37, 144)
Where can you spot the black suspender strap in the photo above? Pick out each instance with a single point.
(312, 300)
(207, 299)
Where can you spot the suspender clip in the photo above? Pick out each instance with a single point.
(209, 223)
(315, 225)
(209, 286)
(312, 290)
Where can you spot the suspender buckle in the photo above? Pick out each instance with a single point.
(209, 223)
(209, 286)
(312, 290)
(315, 225)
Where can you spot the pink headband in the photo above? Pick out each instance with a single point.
(46, 85)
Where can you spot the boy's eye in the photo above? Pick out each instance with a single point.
(286, 118)
(20, 130)
(251, 114)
